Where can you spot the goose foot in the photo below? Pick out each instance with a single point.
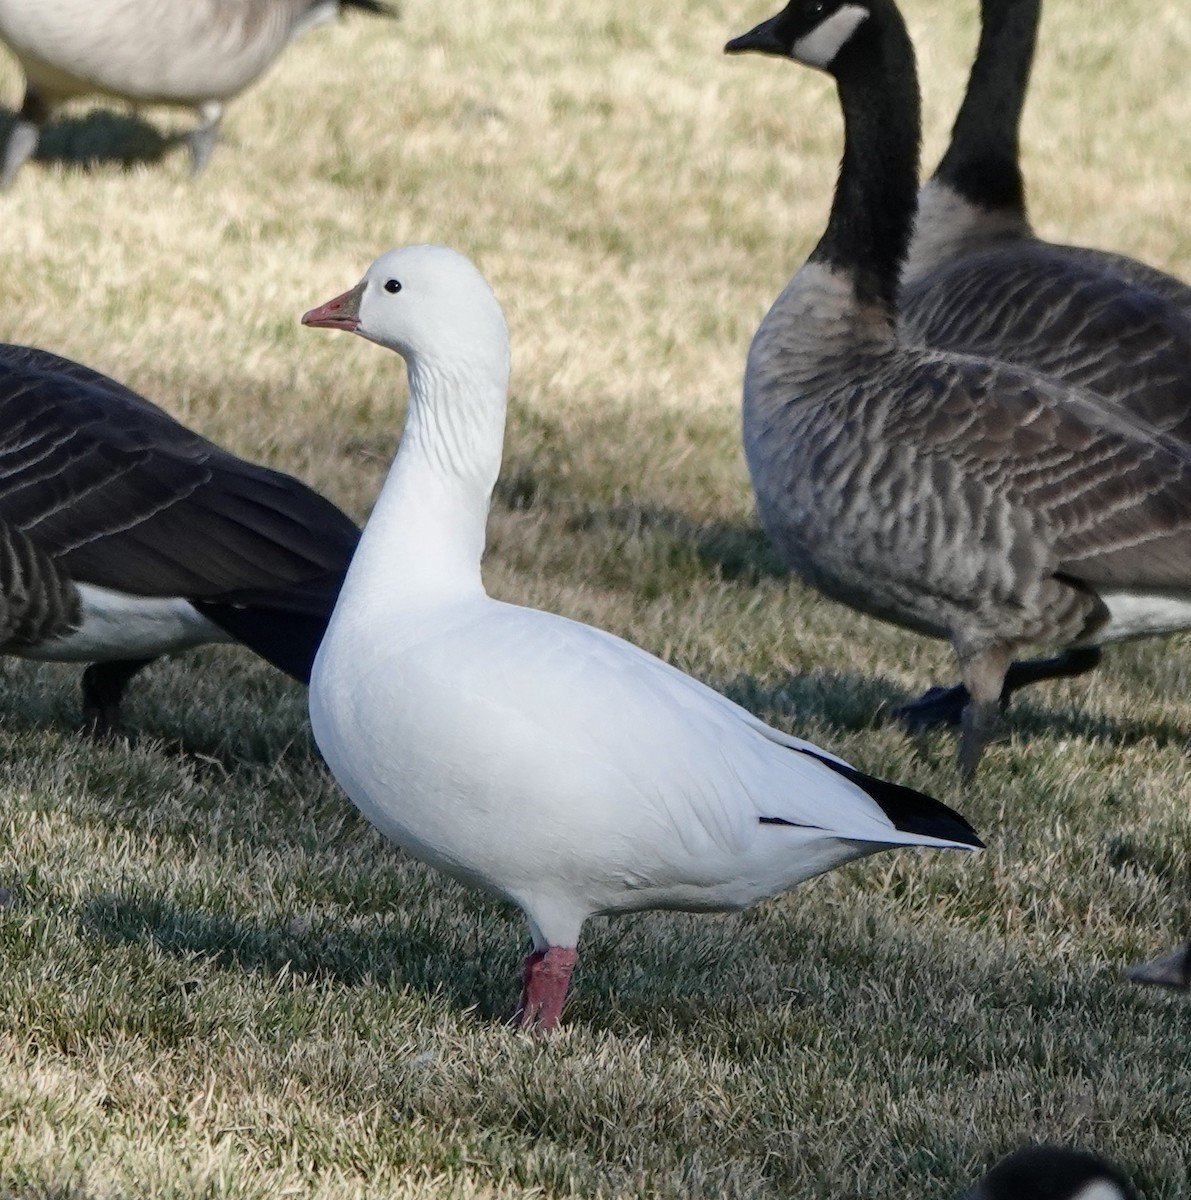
(545, 975)
(943, 707)
(103, 689)
(201, 141)
(23, 137)
(1172, 970)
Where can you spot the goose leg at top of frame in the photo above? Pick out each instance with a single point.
(201, 140)
(23, 137)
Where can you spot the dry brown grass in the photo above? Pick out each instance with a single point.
(215, 980)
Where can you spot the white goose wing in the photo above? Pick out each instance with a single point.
(680, 753)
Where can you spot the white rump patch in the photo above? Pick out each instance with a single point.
(819, 47)
(1099, 1189)
(1143, 614)
(117, 625)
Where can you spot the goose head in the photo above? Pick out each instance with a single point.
(812, 32)
(1053, 1173)
(428, 303)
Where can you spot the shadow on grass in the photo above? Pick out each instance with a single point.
(98, 139)
(739, 551)
(418, 950)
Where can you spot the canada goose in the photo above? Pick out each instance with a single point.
(544, 760)
(196, 54)
(1172, 970)
(978, 280)
(959, 497)
(976, 203)
(124, 536)
(1053, 1173)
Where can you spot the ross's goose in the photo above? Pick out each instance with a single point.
(1053, 1173)
(958, 496)
(192, 53)
(546, 761)
(124, 536)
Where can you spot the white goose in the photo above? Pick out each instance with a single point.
(546, 761)
(194, 53)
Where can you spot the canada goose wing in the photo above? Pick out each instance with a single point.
(1061, 315)
(1058, 481)
(128, 498)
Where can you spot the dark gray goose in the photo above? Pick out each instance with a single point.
(979, 280)
(125, 536)
(960, 497)
(194, 53)
(1053, 1173)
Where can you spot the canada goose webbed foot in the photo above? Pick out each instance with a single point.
(103, 689)
(1172, 970)
(943, 707)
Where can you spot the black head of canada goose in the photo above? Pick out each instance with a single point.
(195, 54)
(124, 536)
(957, 496)
(1053, 1173)
(979, 281)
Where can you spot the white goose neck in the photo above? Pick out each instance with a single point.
(424, 541)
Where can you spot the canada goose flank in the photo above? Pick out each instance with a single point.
(543, 760)
(960, 497)
(978, 280)
(1053, 1173)
(125, 536)
(196, 54)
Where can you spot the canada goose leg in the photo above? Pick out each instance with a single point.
(202, 140)
(103, 689)
(943, 707)
(545, 975)
(24, 136)
(1172, 970)
(984, 676)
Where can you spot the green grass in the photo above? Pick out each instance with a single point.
(217, 981)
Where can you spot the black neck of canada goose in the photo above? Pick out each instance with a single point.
(982, 161)
(872, 213)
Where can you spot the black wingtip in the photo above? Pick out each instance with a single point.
(910, 811)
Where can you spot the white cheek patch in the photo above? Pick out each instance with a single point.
(1099, 1189)
(819, 47)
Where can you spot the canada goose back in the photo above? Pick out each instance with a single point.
(124, 535)
(978, 280)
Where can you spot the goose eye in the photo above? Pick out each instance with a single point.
(392, 286)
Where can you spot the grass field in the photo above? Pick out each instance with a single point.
(217, 981)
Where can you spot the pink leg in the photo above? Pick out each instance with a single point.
(544, 978)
